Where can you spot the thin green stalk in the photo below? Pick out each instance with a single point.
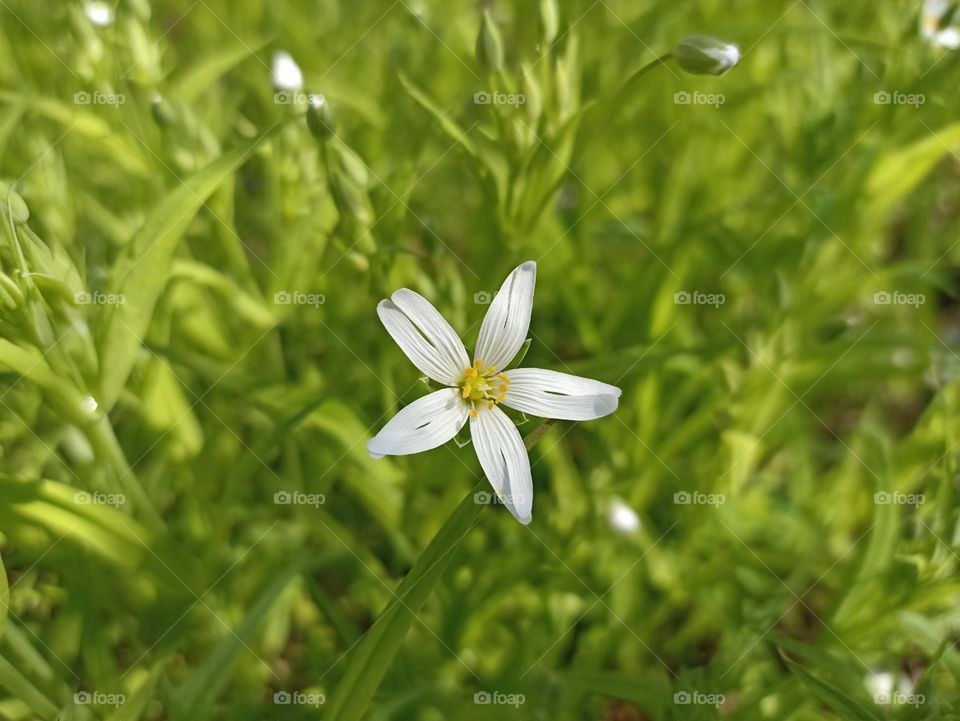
(656, 63)
(371, 658)
(608, 108)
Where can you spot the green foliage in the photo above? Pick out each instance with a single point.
(191, 362)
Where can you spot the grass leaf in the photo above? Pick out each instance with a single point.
(143, 274)
(369, 660)
(197, 694)
(841, 702)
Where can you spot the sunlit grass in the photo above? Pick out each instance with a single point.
(191, 362)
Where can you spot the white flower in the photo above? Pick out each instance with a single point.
(938, 26)
(879, 683)
(623, 518)
(286, 72)
(99, 13)
(476, 389)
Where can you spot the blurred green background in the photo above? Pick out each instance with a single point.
(191, 362)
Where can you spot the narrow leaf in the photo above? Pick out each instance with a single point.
(369, 660)
(142, 275)
(197, 695)
(4, 593)
(17, 684)
(449, 125)
(831, 695)
(134, 707)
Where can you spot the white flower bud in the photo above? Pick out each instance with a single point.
(623, 518)
(489, 44)
(706, 55)
(286, 72)
(320, 118)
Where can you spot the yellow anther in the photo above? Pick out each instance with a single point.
(483, 385)
(490, 405)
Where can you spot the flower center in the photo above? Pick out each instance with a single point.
(483, 385)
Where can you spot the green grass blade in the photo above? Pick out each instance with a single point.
(193, 698)
(449, 125)
(843, 704)
(15, 682)
(134, 707)
(898, 172)
(4, 594)
(142, 275)
(370, 659)
(198, 78)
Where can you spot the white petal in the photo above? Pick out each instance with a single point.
(423, 353)
(948, 38)
(550, 394)
(426, 423)
(286, 73)
(504, 459)
(435, 329)
(507, 321)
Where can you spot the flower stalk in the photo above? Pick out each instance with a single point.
(370, 659)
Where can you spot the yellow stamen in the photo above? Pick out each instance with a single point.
(482, 384)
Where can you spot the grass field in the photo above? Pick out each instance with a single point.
(201, 206)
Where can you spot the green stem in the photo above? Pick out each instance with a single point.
(662, 60)
(370, 659)
(105, 446)
(537, 433)
(606, 109)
